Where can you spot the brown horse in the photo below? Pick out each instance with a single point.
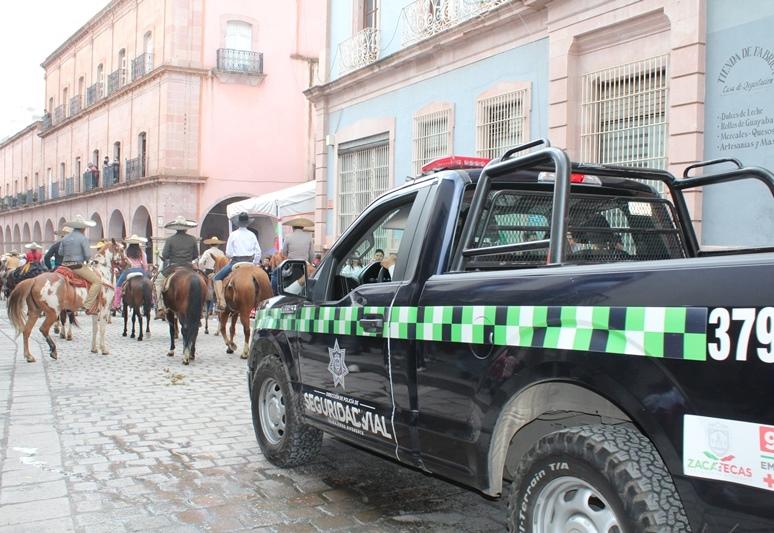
(220, 262)
(137, 292)
(52, 293)
(184, 294)
(244, 289)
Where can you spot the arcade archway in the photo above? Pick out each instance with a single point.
(116, 225)
(97, 232)
(142, 226)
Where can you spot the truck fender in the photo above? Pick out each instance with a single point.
(278, 346)
(530, 404)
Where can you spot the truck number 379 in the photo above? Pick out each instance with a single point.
(735, 328)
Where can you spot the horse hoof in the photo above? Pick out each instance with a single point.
(132, 336)
(54, 355)
(30, 359)
(69, 337)
(124, 334)
(243, 356)
(170, 354)
(139, 339)
(105, 352)
(185, 362)
(93, 350)
(229, 350)
(193, 356)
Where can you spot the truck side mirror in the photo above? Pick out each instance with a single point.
(292, 279)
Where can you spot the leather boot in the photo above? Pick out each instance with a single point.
(221, 305)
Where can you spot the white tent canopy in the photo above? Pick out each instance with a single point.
(292, 201)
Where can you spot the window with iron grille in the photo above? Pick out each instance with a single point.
(432, 137)
(624, 115)
(501, 122)
(363, 174)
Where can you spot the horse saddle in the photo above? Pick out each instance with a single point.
(240, 264)
(133, 275)
(72, 278)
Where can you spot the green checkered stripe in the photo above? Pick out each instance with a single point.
(673, 332)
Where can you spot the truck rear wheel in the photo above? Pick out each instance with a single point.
(283, 437)
(606, 479)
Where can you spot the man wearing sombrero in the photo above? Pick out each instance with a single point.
(242, 246)
(180, 250)
(75, 253)
(298, 245)
(207, 260)
(53, 257)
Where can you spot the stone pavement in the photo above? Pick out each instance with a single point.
(135, 441)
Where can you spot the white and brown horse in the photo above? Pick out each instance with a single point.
(52, 293)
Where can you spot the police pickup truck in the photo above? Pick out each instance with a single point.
(549, 331)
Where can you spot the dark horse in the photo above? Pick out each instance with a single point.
(137, 292)
(184, 294)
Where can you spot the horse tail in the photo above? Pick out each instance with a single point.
(263, 290)
(17, 304)
(195, 306)
(147, 295)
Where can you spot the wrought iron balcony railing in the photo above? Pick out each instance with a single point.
(116, 80)
(240, 61)
(91, 94)
(59, 114)
(69, 186)
(55, 190)
(135, 168)
(46, 121)
(360, 50)
(75, 105)
(41, 194)
(425, 18)
(90, 180)
(141, 65)
(110, 174)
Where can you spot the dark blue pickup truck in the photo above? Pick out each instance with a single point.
(546, 331)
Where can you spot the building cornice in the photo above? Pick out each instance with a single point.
(90, 25)
(153, 75)
(469, 30)
(21, 133)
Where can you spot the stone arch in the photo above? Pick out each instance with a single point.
(116, 225)
(62, 222)
(215, 220)
(16, 237)
(97, 232)
(2, 241)
(142, 226)
(8, 239)
(26, 233)
(37, 233)
(48, 236)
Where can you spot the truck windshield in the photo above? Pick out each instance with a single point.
(603, 228)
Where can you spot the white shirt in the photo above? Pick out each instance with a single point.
(242, 242)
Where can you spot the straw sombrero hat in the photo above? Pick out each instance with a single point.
(213, 241)
(64, 231)
(299, 221)
(180, 223)
(135, 239)
(99, 244)
(79, 223)
(33, 246)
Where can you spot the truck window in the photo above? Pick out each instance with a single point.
(603, 228)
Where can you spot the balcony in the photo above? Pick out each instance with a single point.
(95, 93)
(360, 50)
(111, 174)
(55, 190)
(46, 121)
(240, 62)
(75, 105)
(41, 194)
(135, 168)
(425, 18)
(69, 186)
(141, 65)
(59, 114)
(116, 80)
(90, 180)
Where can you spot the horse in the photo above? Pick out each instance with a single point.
(52, 292)
(220, 262)
(244, 289)
(137, 291)
(184, 293)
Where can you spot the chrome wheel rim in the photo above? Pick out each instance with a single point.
(571, 505)
(272, 411)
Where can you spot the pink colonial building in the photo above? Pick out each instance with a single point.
(183, 106)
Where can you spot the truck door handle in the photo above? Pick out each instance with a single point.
(372, 324)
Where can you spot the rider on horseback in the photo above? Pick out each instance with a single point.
(242, 246)
(75, 253)
(207, 260)
(180, 250)
(135, 257)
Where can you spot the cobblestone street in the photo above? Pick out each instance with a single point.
(135, 441)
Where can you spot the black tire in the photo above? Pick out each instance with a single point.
(618, 462)
(298, 443)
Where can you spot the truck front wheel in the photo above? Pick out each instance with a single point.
(282, 435)
(607, 479)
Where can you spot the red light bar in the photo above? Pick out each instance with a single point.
(454, 162)
(576, 178)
